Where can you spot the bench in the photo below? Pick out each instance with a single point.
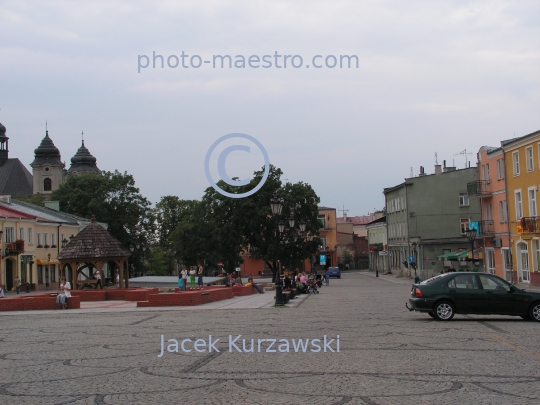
(90, 283)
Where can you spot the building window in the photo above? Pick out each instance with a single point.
(47, 184)
(46, 238)
(10, 234)
(536, 254)
(529, 158)
(30, 236)
(519, 207)
(533, 212)
(502, 212)
(323, 243)
(500, 169)
(485, 173)
(487, 212)
(463, 200)
(40, 273)
(507, 263)
(38, 238)
(53, 273)
(322, 220)
(515, 163)
(53, 239)
(523, 263)
(490, 260)
(21, 233)
(464, 225)
(403, 207)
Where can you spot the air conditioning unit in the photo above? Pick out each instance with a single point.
(496, 242)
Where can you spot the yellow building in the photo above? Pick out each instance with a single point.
(522, 166)
(31, 240)
(328, 237)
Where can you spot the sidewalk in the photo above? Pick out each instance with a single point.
(388, 278)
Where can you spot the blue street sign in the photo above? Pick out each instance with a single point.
(411, 259)
(322, 260)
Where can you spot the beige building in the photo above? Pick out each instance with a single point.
(31, 241)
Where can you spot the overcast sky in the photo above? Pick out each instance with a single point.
(433, 76)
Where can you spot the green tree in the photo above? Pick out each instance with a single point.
(246, 224)
(113, 198)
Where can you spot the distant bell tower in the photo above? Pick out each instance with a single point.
(3, 145)
(47, 167)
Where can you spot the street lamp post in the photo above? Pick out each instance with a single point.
(276, 204)
(471, 235)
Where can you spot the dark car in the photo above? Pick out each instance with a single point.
(333, 272)
(472, 293)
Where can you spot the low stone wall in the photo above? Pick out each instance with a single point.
(36, 302)
(187, 298)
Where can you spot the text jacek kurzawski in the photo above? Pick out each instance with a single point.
(237, 344)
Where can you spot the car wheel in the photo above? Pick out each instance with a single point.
(534, 312)
(431, 314)
(444, 311)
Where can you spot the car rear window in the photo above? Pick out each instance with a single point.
(433, 279)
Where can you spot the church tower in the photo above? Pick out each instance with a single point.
(4, 150)
(47, 168)
(83, 162)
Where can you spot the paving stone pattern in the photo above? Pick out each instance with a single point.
(388, 355)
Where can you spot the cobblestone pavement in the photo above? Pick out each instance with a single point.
(387, 355)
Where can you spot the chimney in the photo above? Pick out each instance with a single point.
(421, 171)
(444, 163)
(449, 169)
(345, 216)
(438, 169)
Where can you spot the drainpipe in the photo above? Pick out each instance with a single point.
(508, 220)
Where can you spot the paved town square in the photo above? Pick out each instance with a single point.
(387, 355)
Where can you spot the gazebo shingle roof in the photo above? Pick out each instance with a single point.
(93, 242)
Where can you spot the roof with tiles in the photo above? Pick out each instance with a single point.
(93, 242)
(15, 179)
(360, 220)
(6, 212)
(47, 214)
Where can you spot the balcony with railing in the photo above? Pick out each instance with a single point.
(15, 247)
(530, 224)
(485, 227)
(479, 188)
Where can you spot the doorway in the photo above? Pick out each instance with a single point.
(9, 275)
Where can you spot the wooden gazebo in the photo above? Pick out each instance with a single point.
(87, 253)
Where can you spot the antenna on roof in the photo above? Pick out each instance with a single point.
(436, 161)
(463, 152)
(46, 129)
(343, 211)
(82, 135)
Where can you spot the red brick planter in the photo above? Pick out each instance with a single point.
(36, 302)
(187, 298)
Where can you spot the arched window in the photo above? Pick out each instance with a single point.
(47, 184)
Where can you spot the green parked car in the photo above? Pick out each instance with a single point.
(472, 293)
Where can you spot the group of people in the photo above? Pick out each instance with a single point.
(194, 271)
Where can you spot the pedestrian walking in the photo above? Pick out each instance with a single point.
(17, 284)
(184, 274)
(117, 281)
(192, 274)
(98, 278)
(200, 283)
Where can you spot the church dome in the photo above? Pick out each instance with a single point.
(46, 152)
(83, 161)
(2, 130)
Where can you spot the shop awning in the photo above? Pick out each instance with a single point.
(47, 262)
(452, 255)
